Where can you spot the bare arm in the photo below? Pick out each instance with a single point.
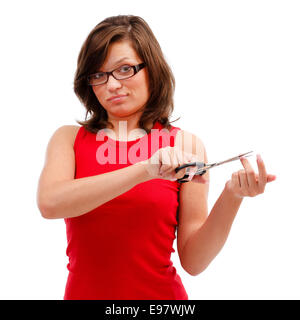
(73, 198)
(61, 196)
(206, 242)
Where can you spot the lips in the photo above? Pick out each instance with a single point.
(116, 97)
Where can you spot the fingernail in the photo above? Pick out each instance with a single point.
(258, 157)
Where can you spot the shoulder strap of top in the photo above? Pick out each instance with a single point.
(79, 136)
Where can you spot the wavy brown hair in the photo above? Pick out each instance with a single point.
(159, 106)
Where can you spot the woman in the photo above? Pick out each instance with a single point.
(113, 180)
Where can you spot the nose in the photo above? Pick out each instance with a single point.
(112, 83)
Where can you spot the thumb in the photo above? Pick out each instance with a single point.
(200, 179)
(271, 177)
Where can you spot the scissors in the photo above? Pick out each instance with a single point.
(202, 167)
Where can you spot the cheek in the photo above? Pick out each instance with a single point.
(99, 93)
(139, 88)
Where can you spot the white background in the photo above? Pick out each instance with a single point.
(237, 68)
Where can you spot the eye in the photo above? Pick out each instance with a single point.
(98, 75)
(124, 69)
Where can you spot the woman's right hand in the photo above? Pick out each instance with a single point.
(163, 162)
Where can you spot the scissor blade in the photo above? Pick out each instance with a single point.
(208, 166)
(234, 158)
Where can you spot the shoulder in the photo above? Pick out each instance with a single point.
(66, 132)
(190, 143)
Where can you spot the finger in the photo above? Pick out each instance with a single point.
(243, 180)
(262, 178)
(193, 169)
(177, 159)
(251, 177)
(236, 180)
(200, 179)
(190, 171)
(165, 162)
(180, 160)
(173, 158)
(271, 177)
(186, 171)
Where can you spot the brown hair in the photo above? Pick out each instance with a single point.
(93, 52)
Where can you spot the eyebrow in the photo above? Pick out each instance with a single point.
(118, 61)
(125, 58)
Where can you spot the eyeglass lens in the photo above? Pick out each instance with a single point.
(123, 72)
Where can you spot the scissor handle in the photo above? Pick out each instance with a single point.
(191, 164)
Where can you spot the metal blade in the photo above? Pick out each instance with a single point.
(235, 158)
(209, 166)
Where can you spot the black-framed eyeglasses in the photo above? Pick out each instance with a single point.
(124, 72)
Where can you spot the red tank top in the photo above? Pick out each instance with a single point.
(121, 250)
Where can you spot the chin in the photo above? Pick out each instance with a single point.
(123, 110)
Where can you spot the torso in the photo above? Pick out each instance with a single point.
(130, 235)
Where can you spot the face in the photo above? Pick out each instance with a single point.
(134, 90)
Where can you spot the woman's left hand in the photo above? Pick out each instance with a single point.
(246, 183)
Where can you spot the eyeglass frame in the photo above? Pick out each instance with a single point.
(136, 69)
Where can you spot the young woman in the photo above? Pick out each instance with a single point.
(113, 180)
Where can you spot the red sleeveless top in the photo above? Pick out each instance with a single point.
(121, 250)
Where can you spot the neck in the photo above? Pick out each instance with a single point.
(126, 128)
